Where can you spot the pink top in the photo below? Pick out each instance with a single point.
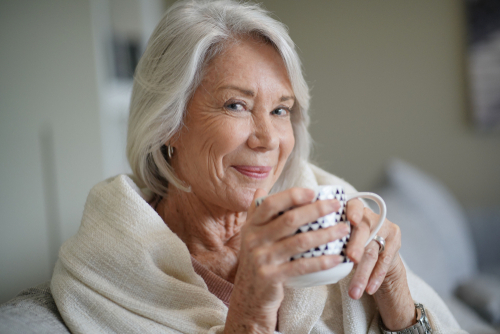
(216, 285)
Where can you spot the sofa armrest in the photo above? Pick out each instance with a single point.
(32, 311)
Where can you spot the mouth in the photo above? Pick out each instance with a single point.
(255, 172)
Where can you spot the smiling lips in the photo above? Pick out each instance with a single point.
(255, 172)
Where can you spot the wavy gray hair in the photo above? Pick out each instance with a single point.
(187, 37)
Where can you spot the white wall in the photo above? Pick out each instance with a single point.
(49, 133)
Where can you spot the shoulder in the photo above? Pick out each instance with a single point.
(120, 186)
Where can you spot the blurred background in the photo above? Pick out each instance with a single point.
(388, 78)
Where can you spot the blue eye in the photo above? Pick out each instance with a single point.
(280, 112)
(235, 106)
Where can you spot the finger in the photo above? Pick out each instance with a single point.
(363, 271)
(355, 209)
(306, 266)
(289, 222)
(302, 242)
(356, 244)
(385, 260)
(281, 202)
(360, 234)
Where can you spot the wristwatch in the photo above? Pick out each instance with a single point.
(421, 327)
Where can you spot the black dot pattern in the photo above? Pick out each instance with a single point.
(337, 247)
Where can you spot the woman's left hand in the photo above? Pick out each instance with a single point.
(381, 275)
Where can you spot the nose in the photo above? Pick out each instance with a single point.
(265, 136)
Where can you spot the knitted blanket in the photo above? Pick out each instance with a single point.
(125, 271)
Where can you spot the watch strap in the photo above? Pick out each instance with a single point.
(421, 327)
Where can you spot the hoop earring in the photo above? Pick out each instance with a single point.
(170, 151)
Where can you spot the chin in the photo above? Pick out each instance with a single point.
(241, 201)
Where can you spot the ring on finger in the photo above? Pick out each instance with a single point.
(381, 243)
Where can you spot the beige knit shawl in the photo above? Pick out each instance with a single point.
(126, 272)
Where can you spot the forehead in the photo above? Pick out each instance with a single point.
(251, 62)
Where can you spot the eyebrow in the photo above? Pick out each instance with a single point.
(246, 92)
(286, 98)
(251, 93)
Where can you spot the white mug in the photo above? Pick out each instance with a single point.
(336, 247)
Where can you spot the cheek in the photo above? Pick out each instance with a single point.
(232, 135)
(214, 131)
(220, 137)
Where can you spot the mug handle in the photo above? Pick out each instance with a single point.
(381, 204)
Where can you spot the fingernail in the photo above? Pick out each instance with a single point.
(372, 287)
(310, 193)
(334, 260)
(356, 293)
(344, 229)
(334, 204)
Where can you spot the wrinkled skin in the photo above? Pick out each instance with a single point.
(240, 115)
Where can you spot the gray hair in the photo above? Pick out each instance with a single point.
(187, 37)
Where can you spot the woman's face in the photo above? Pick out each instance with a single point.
(238, 131)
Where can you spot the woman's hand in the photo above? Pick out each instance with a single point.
(268, 241)
(381, 275)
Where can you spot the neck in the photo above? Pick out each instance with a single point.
(211, 233)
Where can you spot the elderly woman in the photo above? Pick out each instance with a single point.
(218, 119)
